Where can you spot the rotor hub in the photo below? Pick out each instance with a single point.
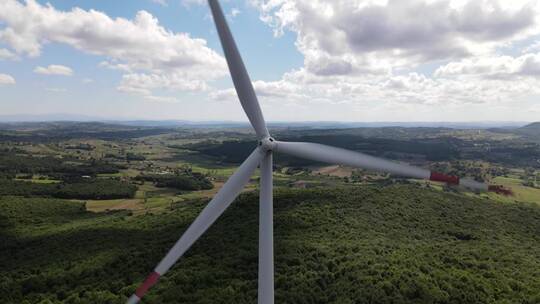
(267, 143)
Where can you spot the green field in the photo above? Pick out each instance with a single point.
(521, 193)
(40, 181)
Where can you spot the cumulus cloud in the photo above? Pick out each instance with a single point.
(6, 79)
(139, 46)
(166, 99)
(235, 12)
(54, 69)
(191, 2)
(6, 54)
(381, 54)
(496, 67)
(160, 2)
(361, 34)
(145, 83)
(375, 52)
(395, 91)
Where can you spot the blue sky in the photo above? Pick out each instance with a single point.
(361, 60)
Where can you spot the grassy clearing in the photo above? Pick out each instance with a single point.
(521, 193)
(119, 204)
(336, 171)
(39, 180)
(109, 175)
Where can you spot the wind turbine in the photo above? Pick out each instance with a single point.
(262, 155)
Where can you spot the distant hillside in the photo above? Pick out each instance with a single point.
(532, 131)
(47, 131)
(534, 126)
(167, 123)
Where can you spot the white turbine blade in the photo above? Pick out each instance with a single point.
(266, 234)
(340, 156)
(240, 77)
(208, 216)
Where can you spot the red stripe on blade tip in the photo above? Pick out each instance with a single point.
(439, 177)
(150, 281)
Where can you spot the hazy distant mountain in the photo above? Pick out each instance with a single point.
(452, 125)
(531, 131)
(535, 126)
(319, 124)
(58, 117)
(48, 118)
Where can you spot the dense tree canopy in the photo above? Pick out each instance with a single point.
(392, 244)
(188, 181)
(82, 189)
(51, 166)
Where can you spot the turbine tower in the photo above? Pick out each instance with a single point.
(262, 156)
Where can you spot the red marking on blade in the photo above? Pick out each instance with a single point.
(150, 281)
(439, 177)
(500, 190)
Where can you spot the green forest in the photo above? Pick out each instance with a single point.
(92, 189)
(16, 162)
(189, 181)
(367, 244)
(431, 149)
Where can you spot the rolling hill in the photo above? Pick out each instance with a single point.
(367, 244)
(531, 130)
(533, 127)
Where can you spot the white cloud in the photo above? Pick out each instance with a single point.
(235, 12)
(87, 80)
(534, 47)
(187, 3)
(160, 2)
(140, 46)
(56, 90)
(363, 59)
(54, 69)
(496, 67)
(166, 99)
(372, 55)
(386, 97)
(6, 54)
(116, 66)
(6, 79)
(145, 83)
(351, 35)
